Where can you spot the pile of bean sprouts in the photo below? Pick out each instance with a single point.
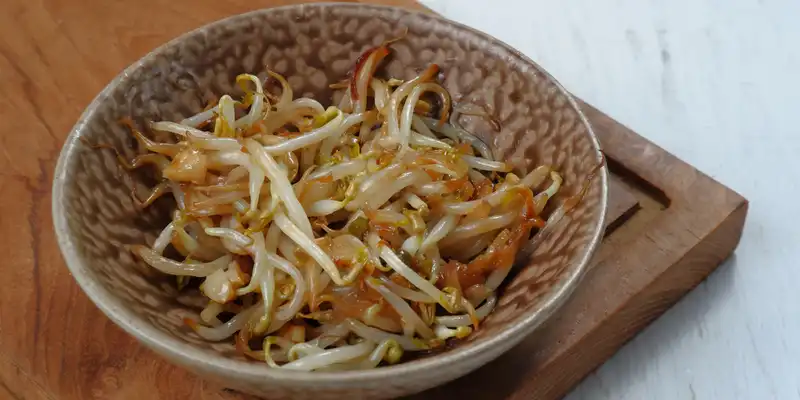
(338, 238)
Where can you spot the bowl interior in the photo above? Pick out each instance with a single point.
(314, 46)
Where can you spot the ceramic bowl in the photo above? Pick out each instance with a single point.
(313, 46)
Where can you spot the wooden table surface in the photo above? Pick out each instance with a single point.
(55, 56)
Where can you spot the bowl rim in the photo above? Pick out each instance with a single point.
(183, 353)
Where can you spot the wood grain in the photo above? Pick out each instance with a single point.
(55, 55)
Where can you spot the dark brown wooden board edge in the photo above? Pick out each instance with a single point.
(723, 231)
(623, 293)
(638, 312)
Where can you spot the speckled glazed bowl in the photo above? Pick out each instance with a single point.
(314, 45)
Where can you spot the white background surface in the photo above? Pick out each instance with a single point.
(716, 83)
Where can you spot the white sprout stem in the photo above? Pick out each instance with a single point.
(540, 200)
(288, 311)
(455, 321)
(309, 246)
(416, 202)
(418, 125)
(256, 180)
(281, 186)
(187, 240)
(497, 277)
(215, 143)
(381, 351)
(408, 113)
(444, 333)
(227, 113)
(269, 354)
(230, 157)
(330, 357)
(486, 164)
(412, 244)
(272, 238)
(405, 271)
(287, 248)
(341, 170)
(313, 137)
(495, 199)
(376, 335)
(271, 245)
(234, 236)
(371, 318)
(300, 350)
(389, 172)
(346, 102)
(210, 312)
(406, 293)
(330, 143)
(432, 188)
(460, 135)
(324, 207)
(555, 186)
(380, 93)
(406, 312)
(385, 193)
(178, 129)
(436, 263)
(439, 232)
(173, 267)
(535, 177)
(266, 278)
(442, 170)
(256, 109)
(177, 193)
(475, 228)
(394, 109)
(465, 250)
(164, 238)
(308, 103)
(200, 117)
(374, 184)
(330, 335)
(229, 328)
(422, 140)
(286, 91)
(362, 80)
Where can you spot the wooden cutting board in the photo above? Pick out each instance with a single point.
(670, 225)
